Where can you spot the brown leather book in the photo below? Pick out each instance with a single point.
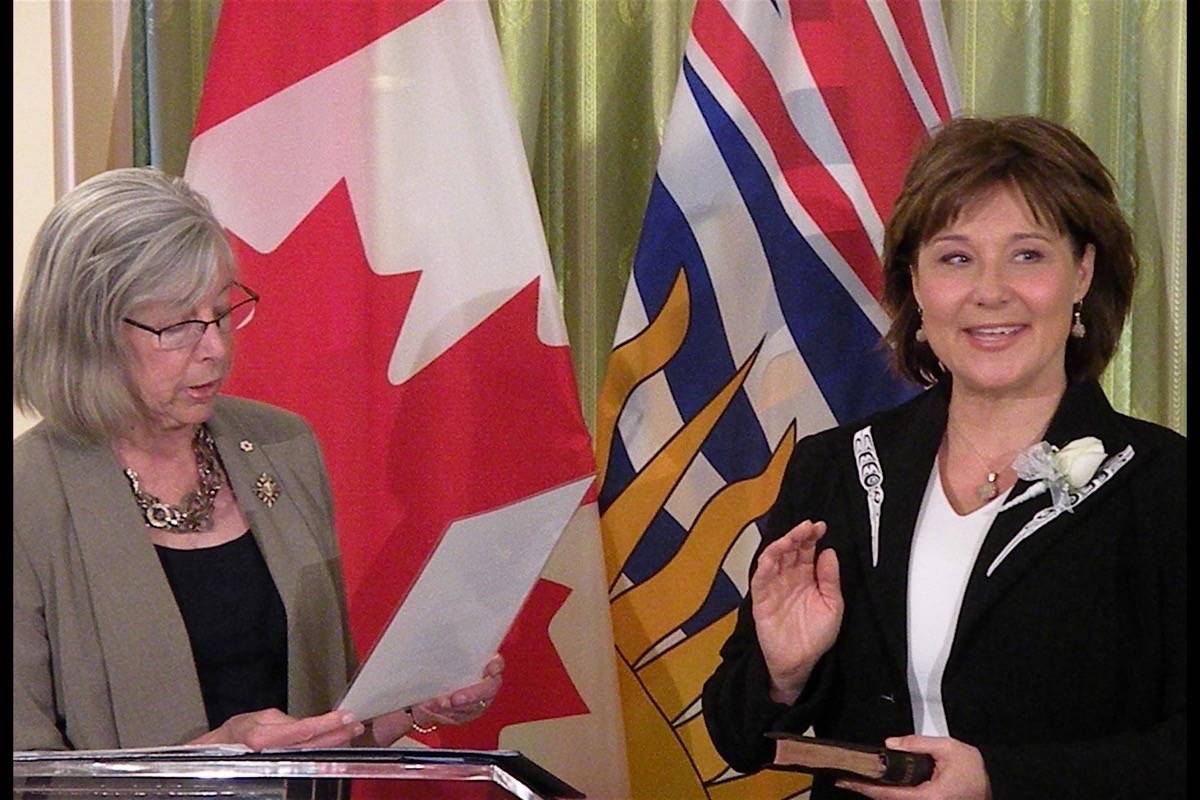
(843, 760)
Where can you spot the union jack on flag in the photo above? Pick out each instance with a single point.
(751, 318)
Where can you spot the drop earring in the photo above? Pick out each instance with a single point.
(920, 336)
(1078, 329)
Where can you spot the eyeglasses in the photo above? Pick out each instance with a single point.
(187, 333)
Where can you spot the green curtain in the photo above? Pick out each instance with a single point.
(592, 82)
(1114, 73)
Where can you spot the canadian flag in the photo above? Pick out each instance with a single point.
(366, 162)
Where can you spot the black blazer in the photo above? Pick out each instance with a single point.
(1068, 668)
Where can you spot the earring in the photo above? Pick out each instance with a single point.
(1078, 329)
(919, 336)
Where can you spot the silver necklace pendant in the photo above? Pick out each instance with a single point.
(196, 513)
(988, 489)
(161, 515)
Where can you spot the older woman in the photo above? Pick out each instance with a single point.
(994, 572)
(175, 571)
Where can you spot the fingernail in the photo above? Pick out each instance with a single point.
(347, 719)
(359, 729)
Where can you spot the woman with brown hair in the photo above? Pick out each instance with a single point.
(994, 572)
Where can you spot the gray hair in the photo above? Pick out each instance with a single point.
(115, 242)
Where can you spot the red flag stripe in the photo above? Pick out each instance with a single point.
(913, 30)
(261, 48)
(875, 132)
(821, 196)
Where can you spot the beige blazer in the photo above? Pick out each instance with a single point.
(101, 658)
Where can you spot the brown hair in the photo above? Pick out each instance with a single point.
(1065, 186)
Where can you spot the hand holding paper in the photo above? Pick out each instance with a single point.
(466, 704)
(447, 630)
(456, 708)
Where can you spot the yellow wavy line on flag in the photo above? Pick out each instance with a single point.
(766, 784)
(762, 785)
(694, 736)
(643, 616)
(636, 360)
(659, 766)
(675, 682)
(658, 693)
(632, 511)
(671, 754)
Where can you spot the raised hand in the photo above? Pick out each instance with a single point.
(272, 728)
(797, 606)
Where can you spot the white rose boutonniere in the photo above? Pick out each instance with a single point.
(1080, 459)
(1059, 470)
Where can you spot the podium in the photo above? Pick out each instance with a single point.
(230, 772)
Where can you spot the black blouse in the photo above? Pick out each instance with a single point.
(236, 623)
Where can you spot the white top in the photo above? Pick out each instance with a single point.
(944, 548)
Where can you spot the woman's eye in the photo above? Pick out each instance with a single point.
(1029, 256)
(954, 258)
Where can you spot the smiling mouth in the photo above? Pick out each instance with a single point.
(995, 331)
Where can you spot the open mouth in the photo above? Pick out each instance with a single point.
(204, 389)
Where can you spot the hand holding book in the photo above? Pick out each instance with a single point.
(950, 767)
(876, 765)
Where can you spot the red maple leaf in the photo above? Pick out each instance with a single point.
(491, 421)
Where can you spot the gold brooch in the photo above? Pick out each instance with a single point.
(266, 489)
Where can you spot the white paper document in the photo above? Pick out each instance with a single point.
(463, 603)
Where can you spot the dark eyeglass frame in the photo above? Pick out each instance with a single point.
(158, 332)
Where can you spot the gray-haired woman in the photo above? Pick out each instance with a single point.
(162, 591)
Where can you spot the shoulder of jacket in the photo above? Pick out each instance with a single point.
(33, 453)
(260, 421)
(1157, 436)
(842, 436)
(32, 442)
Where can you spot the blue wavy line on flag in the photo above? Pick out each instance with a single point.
(655, 548)
(838, 342)
(722, 598)
(703, 365)
(737, 447)
(618, 473)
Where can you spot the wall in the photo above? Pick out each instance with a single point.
(62, 136)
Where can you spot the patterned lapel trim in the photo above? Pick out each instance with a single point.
(870, 477)
(1102, 476)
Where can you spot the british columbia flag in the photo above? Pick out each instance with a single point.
(751, 318)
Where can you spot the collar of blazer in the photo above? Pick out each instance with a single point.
(893, 457)
(147, 655)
